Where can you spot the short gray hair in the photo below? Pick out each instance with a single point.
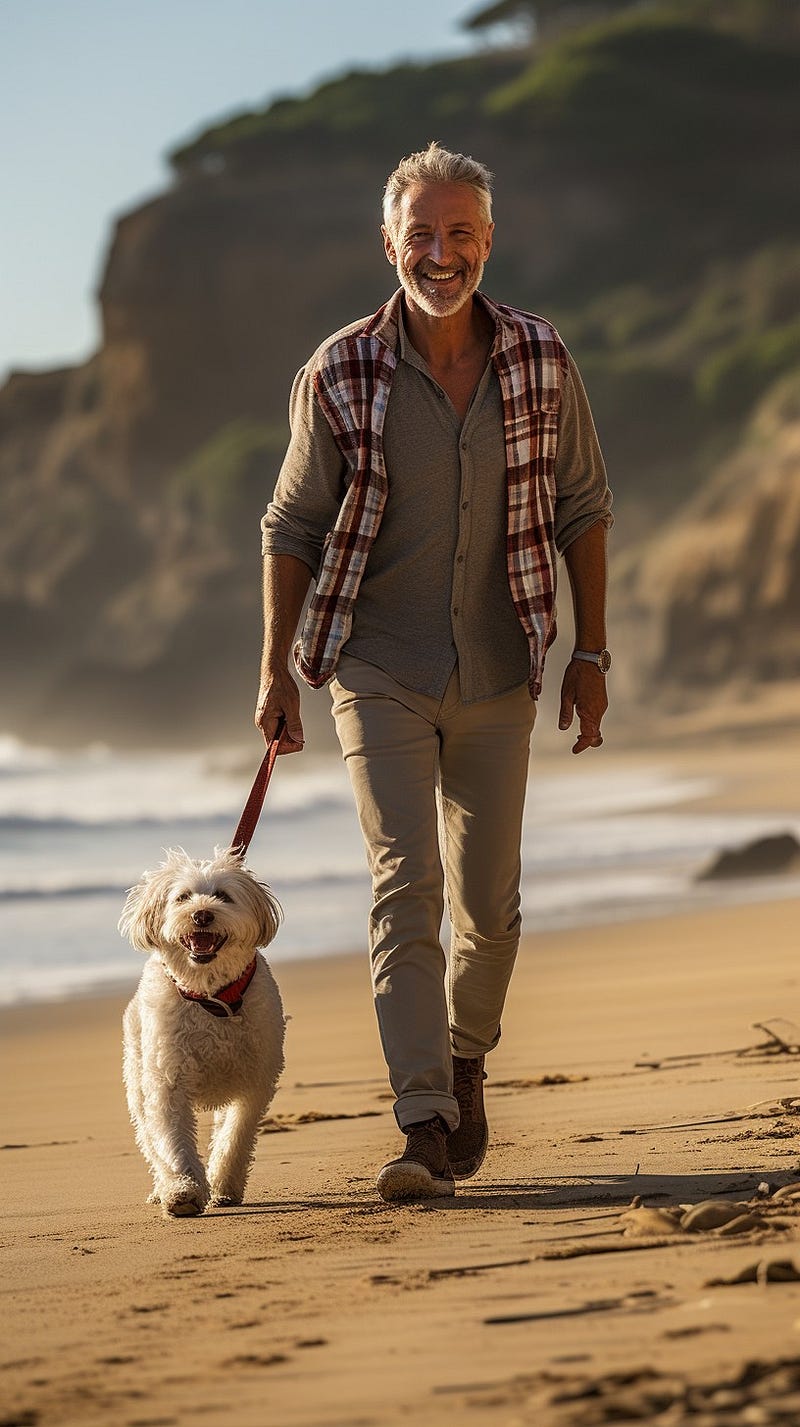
(437, 165)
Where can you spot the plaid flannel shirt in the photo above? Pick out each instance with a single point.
(352, 382)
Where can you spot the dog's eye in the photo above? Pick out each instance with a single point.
(183, 896)
(222, 897)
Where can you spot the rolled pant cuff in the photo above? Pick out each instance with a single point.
(410, 1109)
(469, 1047)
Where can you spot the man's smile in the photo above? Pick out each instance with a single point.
(441, 276)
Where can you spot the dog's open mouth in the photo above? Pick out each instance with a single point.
(203, 946)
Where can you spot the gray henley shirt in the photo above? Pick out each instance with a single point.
(435, 588)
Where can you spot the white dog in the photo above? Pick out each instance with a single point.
(205, 1028)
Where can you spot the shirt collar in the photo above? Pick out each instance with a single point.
(387, 325)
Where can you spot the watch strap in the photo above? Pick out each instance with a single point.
(599, 657)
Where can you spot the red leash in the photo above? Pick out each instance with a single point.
(243, 835)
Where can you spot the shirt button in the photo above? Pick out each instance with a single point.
(455, 611)
(460, 560)
(465, 505)
(464, 446)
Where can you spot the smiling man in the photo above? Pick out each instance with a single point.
(442, 456)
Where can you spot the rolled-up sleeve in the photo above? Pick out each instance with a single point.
(582, 493)
(310, 485)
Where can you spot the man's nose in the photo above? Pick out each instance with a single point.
(440, 248)
(202, 917)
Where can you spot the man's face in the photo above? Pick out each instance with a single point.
(439, 242)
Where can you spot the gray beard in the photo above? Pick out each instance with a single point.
(422, 299)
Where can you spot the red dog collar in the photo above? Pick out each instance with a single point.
(225, 1002)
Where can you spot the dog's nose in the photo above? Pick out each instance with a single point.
(203, 917)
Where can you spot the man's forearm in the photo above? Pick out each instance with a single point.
(587, 565)
(583, 689)
(286, 582)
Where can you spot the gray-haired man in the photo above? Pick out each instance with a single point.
(442, 455)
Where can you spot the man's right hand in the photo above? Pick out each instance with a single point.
(279, 695)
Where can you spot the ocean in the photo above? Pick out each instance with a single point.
(78, 828)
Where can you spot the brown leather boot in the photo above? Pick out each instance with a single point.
(422, 1171)
(466, 1146)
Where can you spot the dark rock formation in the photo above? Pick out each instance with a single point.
(764, 857)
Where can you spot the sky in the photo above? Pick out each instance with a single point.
(93, 93)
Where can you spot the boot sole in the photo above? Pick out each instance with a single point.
(407, 1180)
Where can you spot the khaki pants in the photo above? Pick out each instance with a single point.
(400, 748)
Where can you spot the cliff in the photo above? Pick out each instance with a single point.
(646, 202)
(711, 602)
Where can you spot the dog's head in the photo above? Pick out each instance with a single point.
(204, 918)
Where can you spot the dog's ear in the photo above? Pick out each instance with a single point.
(143, 913)
(266, 908)
(271, 914)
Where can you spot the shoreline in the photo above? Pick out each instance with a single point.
(700, 897)
(683, 809)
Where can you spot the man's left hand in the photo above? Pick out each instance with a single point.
(583, 692)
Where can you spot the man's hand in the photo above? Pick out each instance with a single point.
(278, 695)
(583, 692)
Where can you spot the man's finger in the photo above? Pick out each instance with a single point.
(589, 735)
(566, 711)
(267, 724)
(585, 742)
(292, 738)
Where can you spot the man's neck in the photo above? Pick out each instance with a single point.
(446, 341)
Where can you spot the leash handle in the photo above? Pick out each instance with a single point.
(243, 835)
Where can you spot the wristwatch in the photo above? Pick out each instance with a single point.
(602, 659)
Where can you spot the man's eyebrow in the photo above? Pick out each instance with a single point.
(455, 223)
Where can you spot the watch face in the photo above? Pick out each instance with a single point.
(604, 661)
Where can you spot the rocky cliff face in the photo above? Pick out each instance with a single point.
(711, 603)
(131, 487)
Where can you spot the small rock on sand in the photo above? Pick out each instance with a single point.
(763, 857)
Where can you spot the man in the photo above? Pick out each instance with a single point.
(442, 454)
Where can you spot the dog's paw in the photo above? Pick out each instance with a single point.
(184, 1201)
(153, 1197)
(224, 1201)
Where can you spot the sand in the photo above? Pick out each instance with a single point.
(518, 1302)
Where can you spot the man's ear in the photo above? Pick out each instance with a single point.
(388, 246)
(488, 243)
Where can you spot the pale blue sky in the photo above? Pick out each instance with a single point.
(94, 92)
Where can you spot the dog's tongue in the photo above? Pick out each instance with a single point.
(203, 941)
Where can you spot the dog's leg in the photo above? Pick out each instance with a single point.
(133, 1076)
(144, 1142)
(181, 1182)
(232, 1149)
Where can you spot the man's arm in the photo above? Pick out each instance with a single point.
(286, 581)
(303, 509)
(583, 690)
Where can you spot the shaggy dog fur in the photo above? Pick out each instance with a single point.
(202, 921)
